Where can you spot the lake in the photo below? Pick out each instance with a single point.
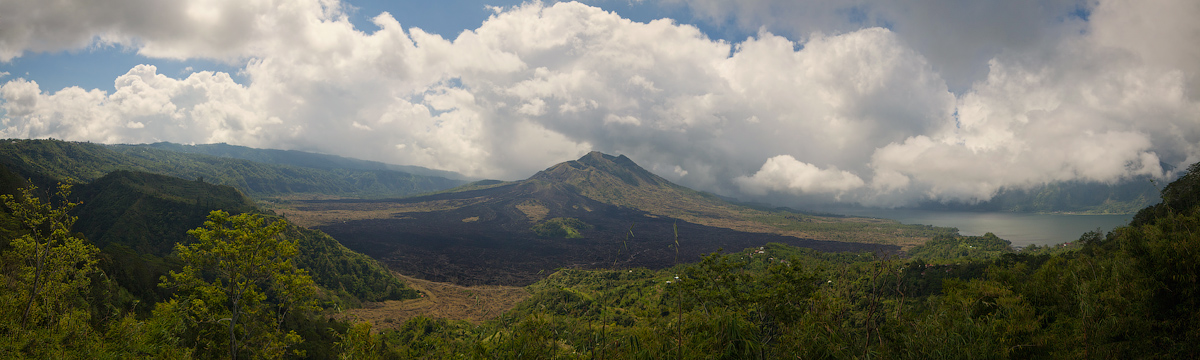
(1021, 229)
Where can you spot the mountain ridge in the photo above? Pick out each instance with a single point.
(297, 158)
(49, 161)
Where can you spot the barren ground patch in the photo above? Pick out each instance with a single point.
(441, 301)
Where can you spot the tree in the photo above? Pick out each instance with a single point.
(240, 284)
(48, 266)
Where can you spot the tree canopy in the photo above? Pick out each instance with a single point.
(240, 283)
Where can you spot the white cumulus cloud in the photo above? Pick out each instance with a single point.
(835, 108)
(785, 173)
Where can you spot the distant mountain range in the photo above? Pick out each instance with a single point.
(288, 173)
(1126, 197)
(299, 159)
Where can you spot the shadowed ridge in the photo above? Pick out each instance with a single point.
(149, 212)
(137, 218)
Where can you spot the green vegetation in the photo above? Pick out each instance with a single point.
(46, 275)
(47, 267)
(1093, 236)
(237, 286)
(879, 231)
(354, 277)
(565, 228)
(295, 158)
(138, 218)
(236, 277)
(947, 247)
(108, 304)
(150, 213)
(48, 161)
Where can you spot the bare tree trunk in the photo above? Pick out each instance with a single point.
(235, 297)
(873, 297)
(37, 282)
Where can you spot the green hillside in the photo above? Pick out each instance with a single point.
(338, 269)
(147, 212)
(137, 218)
(296, 158)
(48, 161)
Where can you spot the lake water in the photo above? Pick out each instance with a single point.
(1021, 229)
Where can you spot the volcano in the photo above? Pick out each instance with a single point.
(486, 233)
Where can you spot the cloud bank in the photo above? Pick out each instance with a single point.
(845, 111)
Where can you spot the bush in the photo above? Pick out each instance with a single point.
(567, 228)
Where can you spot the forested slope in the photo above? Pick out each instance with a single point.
(294, 158)
(137, 218)
(89, 302)
(48, 161)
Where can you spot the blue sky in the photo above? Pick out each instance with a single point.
(878, 102)
(96, 68)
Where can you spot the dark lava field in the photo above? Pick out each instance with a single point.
(490, 241)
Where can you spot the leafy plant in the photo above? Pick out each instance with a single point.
(239, 276)
(49, 264)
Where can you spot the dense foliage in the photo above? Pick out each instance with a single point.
(46, 270)
(238, 285)
(62, 298)
(150, 213)
(949, 247)
(138, 218)
(352, 276)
